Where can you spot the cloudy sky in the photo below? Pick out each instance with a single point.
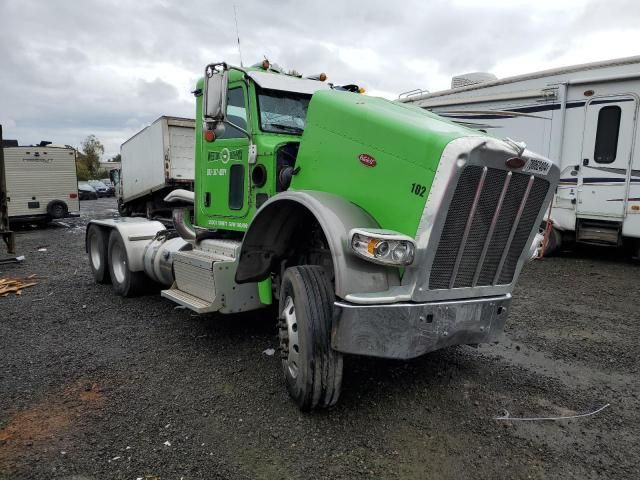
(70, 68)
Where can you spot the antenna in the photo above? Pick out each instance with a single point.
(235, 14)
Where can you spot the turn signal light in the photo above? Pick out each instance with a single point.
(209, 135)
(323, 77)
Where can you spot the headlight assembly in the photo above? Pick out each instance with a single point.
(383, 246)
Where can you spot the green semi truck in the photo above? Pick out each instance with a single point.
(377, 228)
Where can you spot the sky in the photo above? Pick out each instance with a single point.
(69, 69)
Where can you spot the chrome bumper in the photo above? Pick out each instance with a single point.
(408, 330)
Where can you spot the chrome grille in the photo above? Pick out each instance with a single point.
(488, 224)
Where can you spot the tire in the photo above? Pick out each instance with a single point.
(125, 282)
(57, 209)
(97, 248)
(124, 209)
(312, 369)
(554, 243)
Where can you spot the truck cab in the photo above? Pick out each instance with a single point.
(376, 228)
(251, 156)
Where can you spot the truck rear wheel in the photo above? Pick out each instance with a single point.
(125, 282)
(312, 369)
(97, 246)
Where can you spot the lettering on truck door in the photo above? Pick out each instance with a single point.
(606, 155)
(224, 179)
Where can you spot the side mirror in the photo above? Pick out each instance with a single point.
(215, 92)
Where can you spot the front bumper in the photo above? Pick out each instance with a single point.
(408, 330)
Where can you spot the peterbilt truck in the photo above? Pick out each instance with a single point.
(377, 228)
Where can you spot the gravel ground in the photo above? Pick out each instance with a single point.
(93, 386)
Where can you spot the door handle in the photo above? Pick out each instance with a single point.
(207, 199)
(585, 162)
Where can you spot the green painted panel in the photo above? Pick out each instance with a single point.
(405, 142)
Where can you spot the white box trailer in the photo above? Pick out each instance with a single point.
(41, 182)
(583, 117)
(155, 161)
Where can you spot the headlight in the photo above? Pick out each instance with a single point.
(382, 246)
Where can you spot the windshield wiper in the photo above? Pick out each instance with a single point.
(290, 128)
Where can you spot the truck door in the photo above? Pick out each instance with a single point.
(223, 176)
(606, 155)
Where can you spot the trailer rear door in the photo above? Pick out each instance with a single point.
(606, 156)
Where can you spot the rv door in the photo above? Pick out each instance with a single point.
(606, 157)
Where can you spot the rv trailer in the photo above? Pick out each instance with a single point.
(582, 117)
(41, 182)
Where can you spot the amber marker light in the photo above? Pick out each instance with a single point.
(371, 246)
(515, 162)
(323, 77)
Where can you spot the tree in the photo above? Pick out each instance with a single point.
(88, 158)
(116, 158)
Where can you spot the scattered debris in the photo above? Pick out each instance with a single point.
(42, 249)
(533, 419)
(269, 352)
(18, 259)
(179, 307)
(167, 443)
(15, 285)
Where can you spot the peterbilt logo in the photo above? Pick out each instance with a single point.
(367, 160)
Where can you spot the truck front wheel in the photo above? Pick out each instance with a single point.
(125, 282)
(312, 369)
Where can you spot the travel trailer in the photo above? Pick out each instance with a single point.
(41, 182)
(582, 117)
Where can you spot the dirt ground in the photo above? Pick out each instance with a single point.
(94, 386)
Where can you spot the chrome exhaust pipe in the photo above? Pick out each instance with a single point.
(182, 223)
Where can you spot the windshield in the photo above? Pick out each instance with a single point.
(282, 112)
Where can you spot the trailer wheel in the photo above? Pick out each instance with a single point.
(57, 209)
(554, 242)
(312, 369)
(97, 247)
(125, 282)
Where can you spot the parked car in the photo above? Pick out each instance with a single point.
(110, 187)
(86, 191)
(101, 189)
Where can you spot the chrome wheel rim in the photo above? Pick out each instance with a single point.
(94, 248)
(118, 262)
(293, 346)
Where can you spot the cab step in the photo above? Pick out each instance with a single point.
(189, 301)
(204, 279)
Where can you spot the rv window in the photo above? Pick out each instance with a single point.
(607, 134)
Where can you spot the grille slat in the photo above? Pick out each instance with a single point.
(483, 229)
